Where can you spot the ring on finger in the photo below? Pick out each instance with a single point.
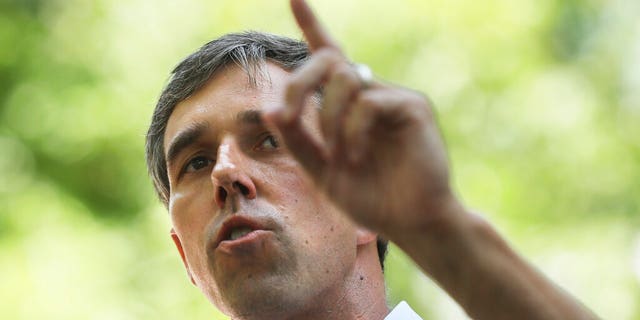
(364, 74)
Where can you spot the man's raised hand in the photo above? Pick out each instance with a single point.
(380, 156)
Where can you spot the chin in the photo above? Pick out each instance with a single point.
(264, 297)
(258, 286)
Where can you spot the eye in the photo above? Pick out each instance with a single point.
(197, 163)
(269, 142)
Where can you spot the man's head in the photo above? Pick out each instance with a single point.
(222, 173)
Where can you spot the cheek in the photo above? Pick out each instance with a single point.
(283, 181)
(326, 243)
(318, 227)
(190, 215)
(190, 201)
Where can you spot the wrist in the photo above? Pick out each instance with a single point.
(436, 222)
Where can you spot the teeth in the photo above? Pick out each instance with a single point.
(239, 233)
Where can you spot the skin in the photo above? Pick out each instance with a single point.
(313, 262)
(382, 161)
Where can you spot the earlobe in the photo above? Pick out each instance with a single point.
(178, 243)
(365, 236)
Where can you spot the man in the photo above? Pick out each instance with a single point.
(281, 193)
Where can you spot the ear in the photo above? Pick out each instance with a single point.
(176, 241)
(365, 236)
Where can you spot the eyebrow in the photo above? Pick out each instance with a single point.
(185, 138)
(194, 131)
(250, 116)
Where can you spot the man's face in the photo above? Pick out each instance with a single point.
(255, 234)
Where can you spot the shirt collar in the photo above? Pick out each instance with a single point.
(402, 312)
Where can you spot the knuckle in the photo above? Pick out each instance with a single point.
(345, 77)
(369, 99)
(413, 98)
(420, 96)
(417, 98)
(340, 73)
(419, 103)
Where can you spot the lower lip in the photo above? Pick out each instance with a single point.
(245, 242)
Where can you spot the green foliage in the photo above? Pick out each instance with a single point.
(539, 102)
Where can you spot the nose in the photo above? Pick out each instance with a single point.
(229, 175)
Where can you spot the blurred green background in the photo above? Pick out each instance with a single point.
(539, 101)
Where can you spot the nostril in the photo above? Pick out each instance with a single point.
(243, 189)
(222, 194)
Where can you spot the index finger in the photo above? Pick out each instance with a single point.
(313, 31)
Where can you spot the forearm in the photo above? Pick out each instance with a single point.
(468, 259)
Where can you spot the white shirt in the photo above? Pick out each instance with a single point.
(402, 312)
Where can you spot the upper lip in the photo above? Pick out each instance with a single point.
(235, 221)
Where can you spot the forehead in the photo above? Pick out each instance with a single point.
(227, 93)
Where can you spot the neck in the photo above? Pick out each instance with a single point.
(363, 297)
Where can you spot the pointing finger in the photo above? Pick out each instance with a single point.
(313, 31)
(339, 92)
(303, 82)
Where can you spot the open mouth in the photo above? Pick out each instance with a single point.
(238, 233)
(237, 227)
